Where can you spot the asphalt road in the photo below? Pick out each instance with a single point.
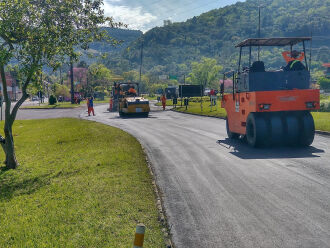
(221, 193)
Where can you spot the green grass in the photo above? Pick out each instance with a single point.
(79, 184)
(322, 121)
(168, 103)
(195, 108)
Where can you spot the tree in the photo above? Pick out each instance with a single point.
(42, 33)
(324, 83)
(205, 72)
(61, 90)
(99, 76)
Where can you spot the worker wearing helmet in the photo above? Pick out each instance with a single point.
(294, 62)
(132, 91)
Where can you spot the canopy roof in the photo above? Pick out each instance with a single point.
(284, 41)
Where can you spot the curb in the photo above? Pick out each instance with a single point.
(322, 132)
(160, 205)
(223, 118)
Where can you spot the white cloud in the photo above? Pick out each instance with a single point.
(134, 17)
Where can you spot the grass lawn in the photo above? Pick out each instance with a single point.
(80, 184)
(195, 108)
(168, 103)
(322, 121)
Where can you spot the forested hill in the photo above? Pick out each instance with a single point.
(126, 37)
(214, 34)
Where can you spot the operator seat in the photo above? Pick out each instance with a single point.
(257, 66)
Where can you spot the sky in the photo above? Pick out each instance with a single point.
(146, 14)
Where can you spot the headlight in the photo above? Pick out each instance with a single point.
(264, 106)
(311, 104)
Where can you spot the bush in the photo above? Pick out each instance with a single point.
(325, 106)
(324, 83)
(52, 100)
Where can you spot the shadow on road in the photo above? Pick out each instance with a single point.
(240, 149)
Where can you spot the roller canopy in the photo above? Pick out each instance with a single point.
(285, 41)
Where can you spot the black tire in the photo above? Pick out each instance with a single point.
(145, 115)
(291, 127)
(230, 134)
(257, 131)
(307, 131)
(121, 114)
(276, 129)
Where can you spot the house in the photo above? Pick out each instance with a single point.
(12, 87)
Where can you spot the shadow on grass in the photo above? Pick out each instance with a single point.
(24, 187)
(13, 186)
(241, 149)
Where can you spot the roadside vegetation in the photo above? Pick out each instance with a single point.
(322, 121)
(80, 184)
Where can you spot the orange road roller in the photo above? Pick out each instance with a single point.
(272, 107)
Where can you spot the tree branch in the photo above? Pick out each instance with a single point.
(25, 94)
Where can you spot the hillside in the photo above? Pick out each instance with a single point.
(214, 34)
(126, 37)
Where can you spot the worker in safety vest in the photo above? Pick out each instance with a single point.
(163, 99)
(111, 104)
(294, 62)
(132, 91)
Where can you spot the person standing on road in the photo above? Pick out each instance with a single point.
(91, 106)
(87, 102)
(163, 99)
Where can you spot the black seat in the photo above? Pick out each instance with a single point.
(257, 66)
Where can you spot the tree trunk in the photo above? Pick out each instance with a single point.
(9, 149)
(7, 143)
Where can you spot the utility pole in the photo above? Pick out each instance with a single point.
(184, 83)
(310, 44)
(259, 7)
(72, 83)
(61, 78)
(141, 60)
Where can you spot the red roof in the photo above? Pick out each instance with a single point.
(326, 65)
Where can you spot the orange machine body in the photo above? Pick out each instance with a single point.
(240, 105)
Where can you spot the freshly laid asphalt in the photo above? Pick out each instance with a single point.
(222, 193)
